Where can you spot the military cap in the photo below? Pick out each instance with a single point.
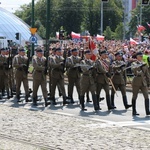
(119, 53)
(103, 52)
(87, 51)
(57, 49)
(139, 54)
(2, 49)
(39, 51)
(21, 49)
(74, 50)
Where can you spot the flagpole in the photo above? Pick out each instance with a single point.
(101, 17)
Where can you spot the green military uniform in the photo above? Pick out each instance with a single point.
(87, 82)
(57, 76)
(4, 73)
(39, 76)
(141, 81)
(103, 72)
(21, 74)
(119, 79)
(73, 73)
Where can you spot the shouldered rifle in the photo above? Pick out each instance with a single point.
(46, 62)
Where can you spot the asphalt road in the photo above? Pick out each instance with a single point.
(118, 117)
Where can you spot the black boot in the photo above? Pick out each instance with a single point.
(34, 101)
(71, 100)
(82, 103)
(134, 113)
(18, 98)
(125, 102)
(88, 98)
(108, 102)
(46, 102)
(11, 93)
(53, 100)
(65, 101)
(3, 92)
(27, 99)
(94, 98)
(147, 106)
(98, 102)
(8, 96)
(112, 101)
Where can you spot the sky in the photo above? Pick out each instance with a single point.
(12, 5)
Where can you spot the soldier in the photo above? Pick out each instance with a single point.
(21, 75)
(4, 73)
(57, 75)
(103, 74)
(141, 81)
(39, 76)
(119, 79)
(87, 80)
(73, 73)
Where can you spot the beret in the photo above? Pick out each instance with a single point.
(119, 53)
(139, 54)
(87, 51)
(74, 50)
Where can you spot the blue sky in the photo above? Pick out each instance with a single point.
(12, 5)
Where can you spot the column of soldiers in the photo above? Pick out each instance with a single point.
(83, 73)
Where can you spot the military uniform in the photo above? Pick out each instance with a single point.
(87, 82)
(141, 81)
(4, 73)
(73, 73)
(57, 76)
(39, 76)
(119, 80)
(103, 73)
(21, 75)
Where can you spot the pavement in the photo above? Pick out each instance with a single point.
(67, 127)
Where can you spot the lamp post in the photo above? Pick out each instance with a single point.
(101, 18)
(32, 24)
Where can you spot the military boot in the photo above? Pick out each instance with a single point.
(3, 92)
(88, 98)
(125, 102)
(108, 102)
(72, 101)
(112, 101)
(11, 93)
(27, 99)
(94, 98)
(8, 95)
(46, 102)
(82, 103)
(53, 100)
(134, 113)
(65, 101)
(147, 106)
(34, 101)
(98, 102)
(18, 98)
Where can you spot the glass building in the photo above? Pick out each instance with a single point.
(11, 24)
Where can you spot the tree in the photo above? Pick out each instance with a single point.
(108, 33)
(119, 32)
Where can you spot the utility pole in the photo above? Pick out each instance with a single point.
(32, 24)
(101, 18)
(47, 25)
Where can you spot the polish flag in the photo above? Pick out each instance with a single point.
(75, 35)
(148, 25)
(92, 47)
(100, 37)
(140, 28)
(57, 35)
(133, 42)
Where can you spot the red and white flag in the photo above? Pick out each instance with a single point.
(100, 37)
(75, 35)
(133, 42)
(140, 28)
(57, 35)
(148, 24)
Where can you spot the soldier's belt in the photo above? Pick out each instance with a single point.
(20, 69)
(117, 73)
(100, 73)
(89, 75)
(39, 71)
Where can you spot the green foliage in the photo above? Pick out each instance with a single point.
(73, 15)
(108, 33)
(119, 32)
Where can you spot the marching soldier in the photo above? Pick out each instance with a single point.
(87, 82)
(141, 81)
(4, 73)
(57, 75)
(21, 74)
(73, 73)
(39, 76)
(103, 75)
(119, 79)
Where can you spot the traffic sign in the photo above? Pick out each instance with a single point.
(33, 30)
(33, 39)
